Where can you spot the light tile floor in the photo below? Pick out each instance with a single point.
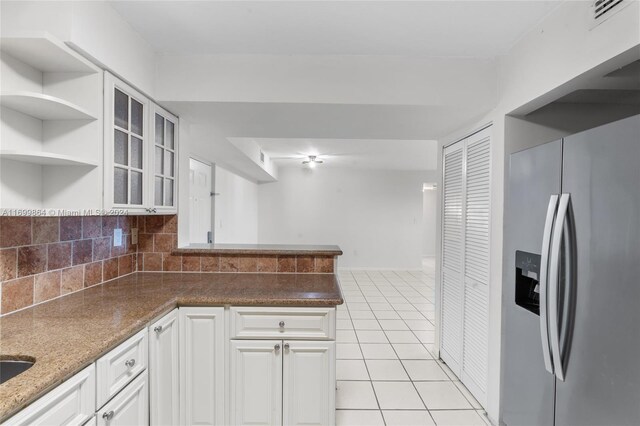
(385, 369)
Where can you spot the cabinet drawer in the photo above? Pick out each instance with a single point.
(290, 323)
(120, 366)
(130, 407)
(71, 403)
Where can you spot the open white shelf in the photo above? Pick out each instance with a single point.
(45, 53)
(45, 158)
(43, 106)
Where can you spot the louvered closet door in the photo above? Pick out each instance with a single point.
(476, 265)
(452, 252)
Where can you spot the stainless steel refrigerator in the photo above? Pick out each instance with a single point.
(571, 292)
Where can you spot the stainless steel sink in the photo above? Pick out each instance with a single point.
(10, 368)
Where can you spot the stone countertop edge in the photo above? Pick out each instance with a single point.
(260, 249)
(28, 332)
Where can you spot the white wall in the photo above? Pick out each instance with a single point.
(92, 26)
(559, 49)
(374, 216)
(236, 209)
(429, 210)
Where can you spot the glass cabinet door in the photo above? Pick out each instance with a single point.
(128, 148)
(165, 127)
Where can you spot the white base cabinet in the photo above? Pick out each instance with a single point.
(129, 407)
(179, 369)
(164, 371)
(309, 383)
(71, 403)
(202, 366)
(256, 382)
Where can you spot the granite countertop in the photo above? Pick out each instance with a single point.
(261, 249)
(67, 334)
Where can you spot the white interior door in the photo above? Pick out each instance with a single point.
(256, 382)
(464, 320)
(309, 386)
(452, 252)
(200, 187)
(475, 358)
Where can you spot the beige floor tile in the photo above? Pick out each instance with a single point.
(348, 351)
(397, 396)
(411, 351)
(424, 370)
(407, 418)
(355, 395)
(401, 337)
(442, 396)
(457, 418)
(371, 336)
(359, 418)
(351, 369)
(377, 351)
(386, 369)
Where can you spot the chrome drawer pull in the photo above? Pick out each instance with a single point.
(108, 415)
(281, 324)
(158, 329)
(277, 347)
(130, 362)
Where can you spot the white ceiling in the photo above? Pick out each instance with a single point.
(432, 28)
(353, 153)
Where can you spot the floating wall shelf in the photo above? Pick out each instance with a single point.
(45, 158)
(43, 52)
(43, 106)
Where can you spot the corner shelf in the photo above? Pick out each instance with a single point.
(43, 106)
(45, 53)
(45, 158)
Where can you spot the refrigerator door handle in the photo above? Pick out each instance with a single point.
(544, 273)
(554, 272)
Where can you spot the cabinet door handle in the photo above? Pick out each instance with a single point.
(281, 324)
(130, 362)
(277, 347)
(158, 329)
(108, 415)
(286, 346)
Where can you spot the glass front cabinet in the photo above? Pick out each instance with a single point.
(141, 152)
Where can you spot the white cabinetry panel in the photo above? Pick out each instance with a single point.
(308, 383)
(119, 366)
(71, 403)
(202, 349)
(256, 382)
(129, 407)
(164, 371)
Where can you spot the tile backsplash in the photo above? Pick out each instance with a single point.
(42, 258)
(45, 257)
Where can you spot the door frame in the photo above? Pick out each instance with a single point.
(212, 165)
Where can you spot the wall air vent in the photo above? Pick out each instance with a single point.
(603, 9)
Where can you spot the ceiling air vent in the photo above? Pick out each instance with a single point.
(603, 9)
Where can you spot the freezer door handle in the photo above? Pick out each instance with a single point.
(544, 274)
(554, 272)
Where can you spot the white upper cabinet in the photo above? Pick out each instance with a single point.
(50, 127)
(140, 151)
(164, 159)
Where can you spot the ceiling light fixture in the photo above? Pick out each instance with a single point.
(312, 161)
